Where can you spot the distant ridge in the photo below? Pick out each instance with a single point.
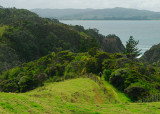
(117, 13)
(59, 13)
(1, 6)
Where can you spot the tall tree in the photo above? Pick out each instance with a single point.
(131, 48)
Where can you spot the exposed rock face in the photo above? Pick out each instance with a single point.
(152, 55)
(112, 44)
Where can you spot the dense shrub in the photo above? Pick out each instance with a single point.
(26, 83)
(118, 55)
(107, 73)
(94, 64)
(93, 51)
(118, 78)
(91, 65)
(122, 78)
(121, 62)
(40, 78)
(60, 69)
(109, 64)
(136, 92)
(9, 86)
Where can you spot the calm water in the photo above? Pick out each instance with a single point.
(147, 32)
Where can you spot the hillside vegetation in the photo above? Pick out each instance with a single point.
(132, 77)
(2, 29)
(27, 37)
(152, 55)
(71, 96)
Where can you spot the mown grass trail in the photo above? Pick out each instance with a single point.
(119, 96)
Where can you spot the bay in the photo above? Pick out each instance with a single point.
(147, 32)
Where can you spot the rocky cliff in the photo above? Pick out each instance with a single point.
(112, 44)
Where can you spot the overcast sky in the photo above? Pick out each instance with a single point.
(153, 5)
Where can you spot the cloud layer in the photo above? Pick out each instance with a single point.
(153, 5)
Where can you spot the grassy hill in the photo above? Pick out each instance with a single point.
(57, 97)
(71, 96)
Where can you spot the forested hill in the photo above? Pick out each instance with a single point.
(152, 55)
(98, 14)
(24, 36)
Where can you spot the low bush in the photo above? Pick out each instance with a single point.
(136, 92)
(107, 73)
(9, 86)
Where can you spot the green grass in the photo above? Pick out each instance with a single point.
(119, 96)
(71, 96)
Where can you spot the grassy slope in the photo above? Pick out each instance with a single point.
(58, 97)
(71, 96)
(119, 96)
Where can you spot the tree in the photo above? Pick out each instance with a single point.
(131, 48)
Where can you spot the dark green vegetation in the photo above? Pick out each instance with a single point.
(132, 51)
(134, 78)
(25, 37)
(152, 55)
(98, 14)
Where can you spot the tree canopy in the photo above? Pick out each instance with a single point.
(132, 50)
